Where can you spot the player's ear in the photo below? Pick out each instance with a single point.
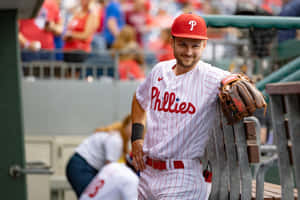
(203, 43)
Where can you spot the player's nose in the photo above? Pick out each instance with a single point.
(188, 51)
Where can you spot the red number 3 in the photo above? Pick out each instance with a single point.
(95, 187)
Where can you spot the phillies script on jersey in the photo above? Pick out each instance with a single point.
(168, 103)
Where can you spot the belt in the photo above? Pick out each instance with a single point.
(162, 165)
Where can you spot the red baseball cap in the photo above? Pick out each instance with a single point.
(189, 26)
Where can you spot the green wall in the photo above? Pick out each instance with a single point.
(12, 140)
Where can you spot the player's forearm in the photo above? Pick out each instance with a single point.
(138, 114)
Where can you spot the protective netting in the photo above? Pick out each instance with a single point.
(255, 45)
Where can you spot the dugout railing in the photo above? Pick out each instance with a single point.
(233, 151)
(50, 65)
(251, 48)
(285, 111)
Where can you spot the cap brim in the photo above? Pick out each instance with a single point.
(190, 36)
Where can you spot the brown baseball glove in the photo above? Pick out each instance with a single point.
(239, 97)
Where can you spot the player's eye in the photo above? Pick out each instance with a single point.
(181, 43)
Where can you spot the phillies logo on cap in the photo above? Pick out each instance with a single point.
(192, 23)
(189, 26)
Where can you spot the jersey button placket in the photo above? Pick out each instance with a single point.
(169, 164)
(172, 85)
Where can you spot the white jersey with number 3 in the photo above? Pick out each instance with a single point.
(115, 181)
(180, 109)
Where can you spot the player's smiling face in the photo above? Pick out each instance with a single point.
(188, 51)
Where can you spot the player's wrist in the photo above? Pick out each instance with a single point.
(137, 132)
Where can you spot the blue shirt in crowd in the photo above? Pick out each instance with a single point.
(291, 9)
(113, 9)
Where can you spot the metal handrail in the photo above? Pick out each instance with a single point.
(37, 168)
(97, 64)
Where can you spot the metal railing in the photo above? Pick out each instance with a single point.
(51, 65)
(97, 65)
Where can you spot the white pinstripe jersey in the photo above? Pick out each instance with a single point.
(180, 109)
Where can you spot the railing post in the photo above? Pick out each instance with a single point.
(284, 98)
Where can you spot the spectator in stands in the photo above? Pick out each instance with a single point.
(189, 6)
(170, 6)
(33, 45)
(272, 6)
(260, 38)
(68, 9)
(227, 7)
(166, 47)
(162, 46)
(162, 19)
(139, 18)
(107, 145)
(159, 21)
(58, 40)
(290, 8)
(113, 22)
(131, 60)
(39, 32)
(80, 33)
(98, 42)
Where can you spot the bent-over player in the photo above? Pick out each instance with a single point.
(105, 146)
(115, 181)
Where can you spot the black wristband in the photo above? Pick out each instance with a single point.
(137, 131)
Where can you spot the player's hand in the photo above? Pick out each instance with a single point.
(137, 155)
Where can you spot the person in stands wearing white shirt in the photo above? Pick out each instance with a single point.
(107, 145)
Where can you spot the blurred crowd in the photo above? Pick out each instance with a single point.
(74, 28)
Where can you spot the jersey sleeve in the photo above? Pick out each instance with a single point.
(113, 147)
(213, 80)
(143, 91)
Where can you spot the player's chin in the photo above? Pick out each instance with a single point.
(188, 64)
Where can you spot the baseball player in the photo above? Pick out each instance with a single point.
(115, 181)
(105, 146)
(179, 98)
